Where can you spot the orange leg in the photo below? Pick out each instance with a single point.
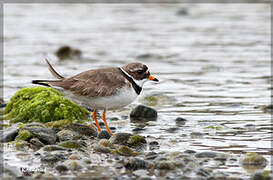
(95, 119)
(104, 120)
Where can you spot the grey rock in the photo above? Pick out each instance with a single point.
(205, 154)
(52, 158)
(8, 134)
(45, 135)
(61, 168)
(135, 163)
(83, 129)
(73, 164)
(180, 121)
(142, 112)
(53, 148)
(66, 134)
(104, 135)
(36, 142)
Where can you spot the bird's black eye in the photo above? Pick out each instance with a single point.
(139, 71)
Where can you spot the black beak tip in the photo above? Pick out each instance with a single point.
(155, 80)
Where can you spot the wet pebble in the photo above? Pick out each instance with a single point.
(53, 148)
(73, 144)
(52, 158)
(254, 159)
(83, 129)
(180, 121)
(189, 151)
(45, 135)
(142, 112)
(9, 134)
(67, 52)
(73, 164)
(182, 12)
(36, 142)
(61, 168)
(151, 155)
(128, 139)
(135, 163)
(66, 134)
(205, 154)
(104, 135)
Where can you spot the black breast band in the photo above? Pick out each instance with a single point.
(136, 87)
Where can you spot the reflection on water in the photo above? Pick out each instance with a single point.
(213, 65)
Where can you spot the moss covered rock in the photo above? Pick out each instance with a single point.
(23, 135)
(42, 104)
(252, 158)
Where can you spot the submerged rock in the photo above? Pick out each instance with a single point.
(71, 144)
(142, 112)
(45, 135)
(205, 154)
(83, 129)
(135, 163)
(42, 104)
(67, 52)
(8, 134)
(104, 135)
(128, 140)
(254, 159)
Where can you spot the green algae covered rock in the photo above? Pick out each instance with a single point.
(42, 104)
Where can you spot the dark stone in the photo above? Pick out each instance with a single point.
(137, 129)
(2, 105)
(8, 134)
(127, 139)
(151, 155)
(180, 121)
(53, 148)
(36, 142)
(144, 56)
(142, 112)
(66, 52)
(45, 135)
(206, 154)
(135, 163)
(52, 158)
(104, 135)
(83, 129)
(261, 175)
(61, 168)
(190, 151)
(154, 143)
(182, 12)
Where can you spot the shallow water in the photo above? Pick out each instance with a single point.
(213, 63)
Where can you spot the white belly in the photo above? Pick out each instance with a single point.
(122, 98)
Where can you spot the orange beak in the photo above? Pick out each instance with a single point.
(153, 78)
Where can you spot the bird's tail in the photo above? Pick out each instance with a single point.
(52, 70)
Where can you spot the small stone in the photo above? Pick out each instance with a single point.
(61, 168)
(254, 159)
(205, 154)
(52, 158)
(74, 157)
(104, 135)
(261, 175)
(8, 134)
(142, 112)
(151, 155)
(135, 163)
(125, 151)
(189, 151)
(67, 52)
(102, 149)
(36, 142)
(180, 121)
(86, 130)
(165, 164)
(71, 144)
(46, 135)
(53, 148)
(66, 134)
(182, 12)
(73, 164)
